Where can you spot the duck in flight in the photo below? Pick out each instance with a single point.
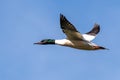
(74, 38)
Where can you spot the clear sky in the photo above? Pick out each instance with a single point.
(23, 22)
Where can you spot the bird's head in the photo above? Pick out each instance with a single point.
(46, 41)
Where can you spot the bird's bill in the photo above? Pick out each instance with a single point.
(39, 43)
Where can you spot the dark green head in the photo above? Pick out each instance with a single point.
(46, 41)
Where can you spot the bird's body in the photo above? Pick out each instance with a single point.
(74, 38)
(78, 44)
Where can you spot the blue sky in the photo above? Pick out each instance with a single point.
(24, 22)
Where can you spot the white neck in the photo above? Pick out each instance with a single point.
(62, 41)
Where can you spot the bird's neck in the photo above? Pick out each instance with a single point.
(62, 42)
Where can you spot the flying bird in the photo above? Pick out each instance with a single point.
(74, 38)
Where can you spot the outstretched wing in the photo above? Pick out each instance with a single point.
(95, 30)
(69, 29)
(89, 36)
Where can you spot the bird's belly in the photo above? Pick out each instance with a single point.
(81, 45)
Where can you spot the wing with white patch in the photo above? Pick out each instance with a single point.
(89, 36)
(69, 29)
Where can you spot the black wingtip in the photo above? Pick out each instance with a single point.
(62, 16)
(97, 26)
